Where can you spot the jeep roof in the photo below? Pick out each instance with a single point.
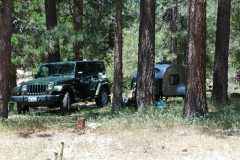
(73, 62)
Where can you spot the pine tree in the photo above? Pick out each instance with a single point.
(5, 54)
(51, 22)
(146, 54)
(220, 73)
(118, 45)
(77, 23)
(195, 101)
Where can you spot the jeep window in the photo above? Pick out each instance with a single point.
(56, 70)
(90, 68)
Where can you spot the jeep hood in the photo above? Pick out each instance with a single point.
(51, 79)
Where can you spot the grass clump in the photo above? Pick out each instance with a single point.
(151, 118)
(224, 119)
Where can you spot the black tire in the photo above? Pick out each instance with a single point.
(66, 103)
(22, 109)
(102, 99)
(19, 109)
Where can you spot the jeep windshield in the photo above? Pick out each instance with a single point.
(56, 69)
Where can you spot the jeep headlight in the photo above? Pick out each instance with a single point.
(58, 88)
(24, 88)
(50, 86)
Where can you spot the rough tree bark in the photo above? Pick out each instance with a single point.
(118, 44)
(195, 101)
(51, 22)
(13, 76)
(173, 29)
(77, 23)
(220, 72)
(146, 54)
(5, 54)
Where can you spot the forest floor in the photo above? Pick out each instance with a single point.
(178, 143)
(157, 135)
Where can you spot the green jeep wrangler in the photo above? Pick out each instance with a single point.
(64, 83)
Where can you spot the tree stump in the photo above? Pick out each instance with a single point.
(81, 123)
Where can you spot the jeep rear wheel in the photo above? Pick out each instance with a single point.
(102, 99)
(66, 103)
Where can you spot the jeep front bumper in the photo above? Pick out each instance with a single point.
(37, 100)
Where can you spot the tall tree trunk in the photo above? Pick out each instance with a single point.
(5, 54)
(77, 23)
(146, 54)
(195, 102)
(51, 22)
(118, 45)
(173, 29)
(220, 73)
(13, 76)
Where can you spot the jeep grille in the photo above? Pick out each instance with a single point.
(36, 89)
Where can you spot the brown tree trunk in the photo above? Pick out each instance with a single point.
(173, 29)
(146, 54)
(51, 22)
(195, 102)
(118, 45)
(13, 76)
(77, 23)
(5, 54)
(220, 72)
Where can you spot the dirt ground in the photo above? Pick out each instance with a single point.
(98, 144)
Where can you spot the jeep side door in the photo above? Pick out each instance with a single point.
(94, 79)
(83, 79)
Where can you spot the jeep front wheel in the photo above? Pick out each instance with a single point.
(66, 103)
(22, 109)
(102, 99)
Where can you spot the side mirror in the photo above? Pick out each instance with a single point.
(80, 72)
(102, 75)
